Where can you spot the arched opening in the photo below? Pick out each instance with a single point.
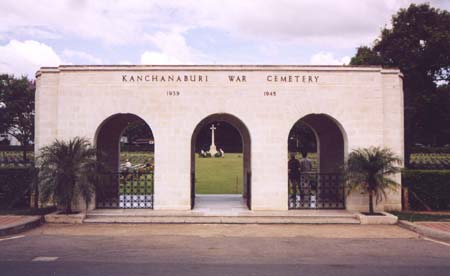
(316, 147)
(221, 142)
(125, 144)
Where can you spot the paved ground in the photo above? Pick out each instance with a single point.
(6, 221)
(16, 224)
(222, 250)
(442, 226)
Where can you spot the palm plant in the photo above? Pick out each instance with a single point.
(68, 170)
(369, 169)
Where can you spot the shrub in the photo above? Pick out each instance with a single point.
(16, 187)
(427, 189)
(430, 161)
(68, 169)
(369, 169)
(425, 149)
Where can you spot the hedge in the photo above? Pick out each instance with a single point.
(424, 149)
(16, 148)
(427, 189)
(16, 187)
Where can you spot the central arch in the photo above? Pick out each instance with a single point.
(246, 149)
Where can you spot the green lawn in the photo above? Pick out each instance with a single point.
(219, 175)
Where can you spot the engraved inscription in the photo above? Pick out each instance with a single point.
(233, 78)
(293, 78)
(270, 93)
(165, 78)
(173, 93)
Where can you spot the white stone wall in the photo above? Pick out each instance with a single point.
(366, 102)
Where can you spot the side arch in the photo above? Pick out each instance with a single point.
(322, 187)
(107, 141)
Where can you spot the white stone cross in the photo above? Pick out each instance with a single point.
(212, 128)
(212, 148)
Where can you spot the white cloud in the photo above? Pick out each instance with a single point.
(125, 62)
(122, 22)
(342, 22)
(325, 25)
(81, 57)
(158, 58)
(172, 49)
(26, 57)
(327, 58)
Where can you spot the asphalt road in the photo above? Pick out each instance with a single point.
(222, 250)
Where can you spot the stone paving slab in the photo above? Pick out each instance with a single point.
(211, 215)
(220, 212)
(10, 225)
(222, 220)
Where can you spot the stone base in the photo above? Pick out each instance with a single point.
(386, 219)
(56, 217)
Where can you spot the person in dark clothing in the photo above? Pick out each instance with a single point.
(294, 174)
(305, 170)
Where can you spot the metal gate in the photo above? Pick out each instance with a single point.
(131, 190)
(192, 190)
(318, 191)
(248, 193)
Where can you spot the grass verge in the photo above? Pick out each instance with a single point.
(421, 216)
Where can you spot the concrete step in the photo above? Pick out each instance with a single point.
(262, 217)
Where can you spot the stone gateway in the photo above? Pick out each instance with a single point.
(347, 108)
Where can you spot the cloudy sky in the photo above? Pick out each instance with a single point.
(36, 33)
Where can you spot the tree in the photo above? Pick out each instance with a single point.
(17, 109)
(137, 129)
(366, 56)
(369, 169)
(419, 44)
(302, 138)
(68, 170)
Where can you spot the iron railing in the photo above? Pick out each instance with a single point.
(318, 191)
(248, 193)
(129, 190)
(192, 190)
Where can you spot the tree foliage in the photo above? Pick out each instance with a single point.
(419, 44)
(370, 169)
(137, 129)
(302, 138)
(17, 109)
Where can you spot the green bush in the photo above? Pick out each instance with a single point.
(15, 187)
(425, 149)
(427, 189)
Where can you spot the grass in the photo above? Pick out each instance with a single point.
(219, 175)
(421, 216)
(138, 157)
